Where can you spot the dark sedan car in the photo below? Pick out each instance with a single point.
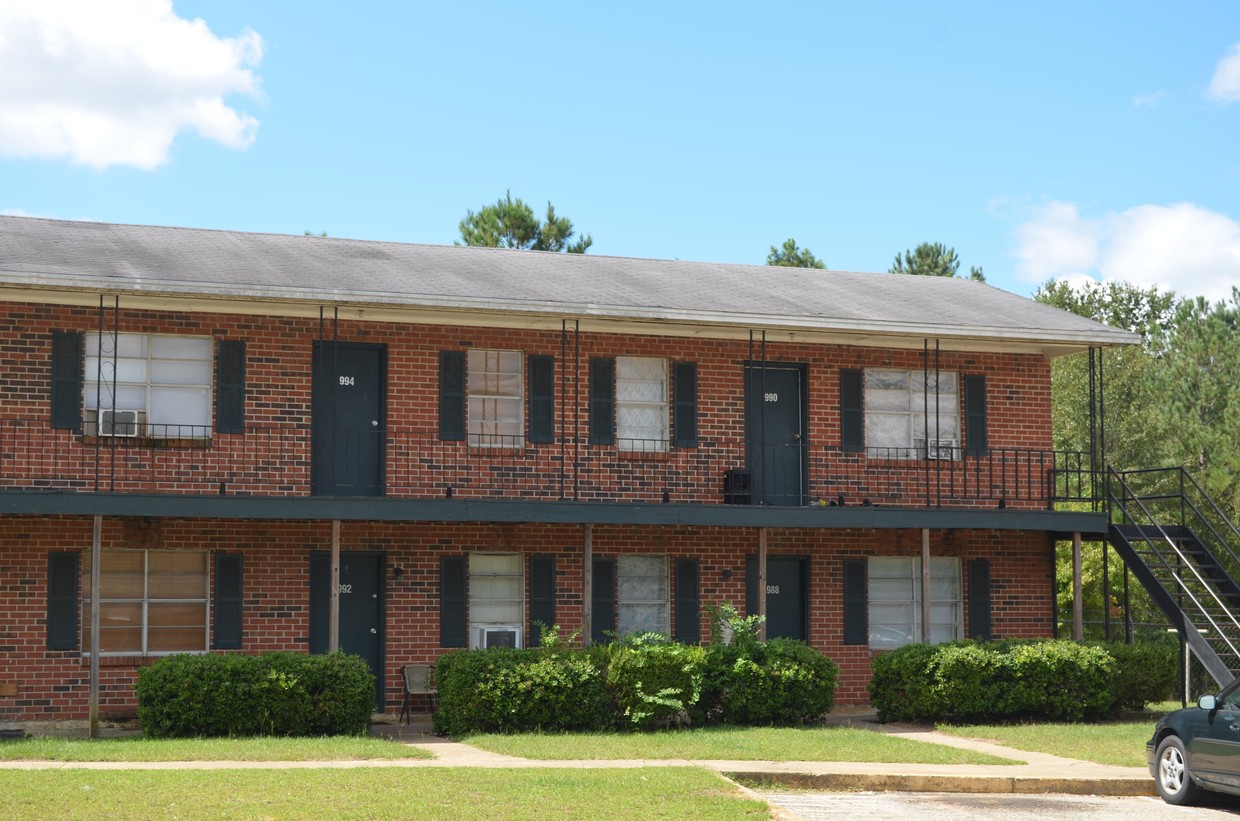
(1198, 748)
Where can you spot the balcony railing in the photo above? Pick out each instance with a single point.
(278, 460)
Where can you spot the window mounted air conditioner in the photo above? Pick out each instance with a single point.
(497, 635)
(119, 422)
(942, 449)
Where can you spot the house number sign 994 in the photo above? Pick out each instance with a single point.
(347, 380)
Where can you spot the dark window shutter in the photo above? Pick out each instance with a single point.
(603, 602)
(975, 416)
(227, 607)
(852, 415)
(67, 365)
(856, 604)
(602, 401)
(63, 579)
(452, 397)
(453, 603)
(230, 387)
(684, 410)
(979, 599)
(542, 400)
(542, 596)
(688, 602)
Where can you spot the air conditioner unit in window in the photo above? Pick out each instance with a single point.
(941, 448)
(498, 635)
(119, 422)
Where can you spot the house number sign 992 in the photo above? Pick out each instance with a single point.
(345, 588)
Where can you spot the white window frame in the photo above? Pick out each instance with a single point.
(491, 566)
(143, 377)
(495, 398)
(893, 599)
(912, 404)
(645, 397)
(144, 602)
(630, 567)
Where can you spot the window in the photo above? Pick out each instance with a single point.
(146, 385)
(641, 403)
(151, 602)
(496, 600)
(894, 594)
(495, 400)
(897, 404)
(643, 595)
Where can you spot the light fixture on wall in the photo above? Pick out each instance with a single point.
(397, 571)
(727, 572)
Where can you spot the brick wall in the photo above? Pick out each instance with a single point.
(53, 685)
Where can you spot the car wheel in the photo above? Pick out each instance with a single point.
(1174, 781)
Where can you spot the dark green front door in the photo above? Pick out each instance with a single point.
(775, 419)
(787, 595)
(361, 609)
(349, 427)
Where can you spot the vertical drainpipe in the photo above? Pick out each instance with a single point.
(1078, 606)
(925, 585)
(96, 557)
(762, 582)
(587, 584)
(333, 613)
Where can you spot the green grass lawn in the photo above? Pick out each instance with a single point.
(1119, 742)
(338, 748)
(654, 793)
(734, 744)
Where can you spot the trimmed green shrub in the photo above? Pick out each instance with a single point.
(1144, 672)
(508, 691)
(640, 683)
(977, 681)
(653, 681)
(782, 682)
(286, 694)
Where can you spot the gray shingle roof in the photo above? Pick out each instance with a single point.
(326, 270)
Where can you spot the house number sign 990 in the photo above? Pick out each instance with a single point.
(347, 380)
(771, 397)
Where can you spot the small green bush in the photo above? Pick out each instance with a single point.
(285, 694)
(504, 690)
(1144, 672)
(653, 681)
(781, 682)
(978, 681)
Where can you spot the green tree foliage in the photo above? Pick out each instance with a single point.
(790, 256)
(511, 223)
(932, 259)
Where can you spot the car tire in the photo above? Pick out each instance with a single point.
(1172, 778)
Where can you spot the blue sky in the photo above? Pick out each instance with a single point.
(1039, 139)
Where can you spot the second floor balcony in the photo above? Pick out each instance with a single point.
(411, 463)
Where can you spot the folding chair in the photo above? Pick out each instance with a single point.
(419, 680)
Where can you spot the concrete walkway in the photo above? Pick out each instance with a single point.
(1040, 773)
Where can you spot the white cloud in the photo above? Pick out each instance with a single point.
(1151, 100)
(1181, 247)
(1225, 84)
(114, 83)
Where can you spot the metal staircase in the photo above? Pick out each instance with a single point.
(1183, 550)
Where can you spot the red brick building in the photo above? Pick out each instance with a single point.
(449, 447)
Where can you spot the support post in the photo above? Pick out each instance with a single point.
(925, 585)
(587, 584)
(1078, 606)
(96, 558)
(333, 612)
(762, 582)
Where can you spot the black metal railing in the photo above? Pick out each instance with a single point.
(280, 460)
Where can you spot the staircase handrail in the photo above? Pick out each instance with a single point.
(1190, 564)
